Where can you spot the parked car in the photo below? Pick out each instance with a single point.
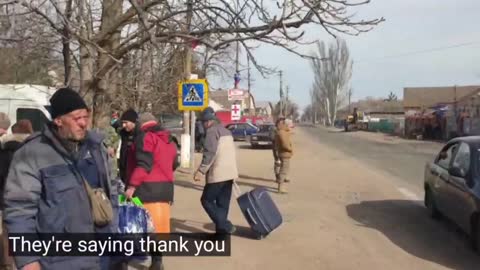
(452, 185)
(263, 137)
(240, 131)
(172, 122)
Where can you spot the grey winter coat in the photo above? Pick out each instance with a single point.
(44, 194)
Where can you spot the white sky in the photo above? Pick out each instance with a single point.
(411, 26)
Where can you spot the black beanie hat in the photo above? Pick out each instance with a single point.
(64, 101)
(129, 115)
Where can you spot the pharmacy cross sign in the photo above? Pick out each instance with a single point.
(235, 109)
(236, 112)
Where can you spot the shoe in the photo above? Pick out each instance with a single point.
(287, 180)
(281, 188)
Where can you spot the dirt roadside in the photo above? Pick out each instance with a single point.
(338, 215)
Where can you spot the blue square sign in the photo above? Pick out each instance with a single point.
(192, 95)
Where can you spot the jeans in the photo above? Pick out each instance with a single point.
(216, 202)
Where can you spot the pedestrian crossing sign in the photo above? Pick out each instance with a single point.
(192, 95)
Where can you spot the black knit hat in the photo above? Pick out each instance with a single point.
(129, 115)
(64, 101)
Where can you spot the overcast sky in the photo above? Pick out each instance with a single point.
(393, 55)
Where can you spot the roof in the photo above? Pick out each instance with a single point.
(424, 97)
(36, 93)
(221, 98)
(467, 139)
(262, 104)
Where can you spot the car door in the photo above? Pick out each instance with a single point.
(241, 131)
(233, 128)
(439, 178)
(459, 187)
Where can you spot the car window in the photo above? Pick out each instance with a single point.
(445, 156)
(36, 117)
(462, 158)
(265, 128)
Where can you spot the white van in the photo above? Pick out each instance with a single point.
(25, 101)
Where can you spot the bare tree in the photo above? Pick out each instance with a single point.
(104, 36)
(332, 69)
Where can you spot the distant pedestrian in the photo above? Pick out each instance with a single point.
(219, 168)
(283, 145)
(55, 178)
(276, 158)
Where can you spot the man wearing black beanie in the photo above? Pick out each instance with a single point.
(126, 129)
(49, 187)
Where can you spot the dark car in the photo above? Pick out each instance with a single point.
(240, 131)
(172, 122)
(452, 185)
(263, 137)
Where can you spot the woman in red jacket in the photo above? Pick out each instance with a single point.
(152, 177)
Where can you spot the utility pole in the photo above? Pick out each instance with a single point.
(349, 99)
(187, 162)
(249, 86)
(281, 92)
(286, 102)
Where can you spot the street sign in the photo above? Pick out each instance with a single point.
(236, 112)
(236, 94)
(192, 95)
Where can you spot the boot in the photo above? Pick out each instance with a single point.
(282, 188)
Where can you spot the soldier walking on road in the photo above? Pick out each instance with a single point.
(219, 168)
(283, 146)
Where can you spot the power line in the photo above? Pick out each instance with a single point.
(419, 52)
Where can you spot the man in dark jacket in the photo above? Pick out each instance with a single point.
(125, 127)
(45, 190)
(9, 144)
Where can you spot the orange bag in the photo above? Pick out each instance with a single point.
(160, 214)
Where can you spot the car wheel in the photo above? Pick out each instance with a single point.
(431, 205)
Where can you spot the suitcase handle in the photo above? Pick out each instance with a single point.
(250, 216)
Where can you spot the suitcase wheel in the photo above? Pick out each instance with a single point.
(260, 236)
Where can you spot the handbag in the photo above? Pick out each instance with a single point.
(100, 204)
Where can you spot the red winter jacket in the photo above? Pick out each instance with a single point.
(156, 157)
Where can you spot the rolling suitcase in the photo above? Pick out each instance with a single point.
(260, 210)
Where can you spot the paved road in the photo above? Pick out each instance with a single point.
(401, 158)
(339, 213)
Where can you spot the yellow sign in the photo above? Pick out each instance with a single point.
(192, 95)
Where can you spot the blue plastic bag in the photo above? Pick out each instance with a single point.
(134, 222)
(132, 219)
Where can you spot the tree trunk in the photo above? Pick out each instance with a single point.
(105, 86)
(87, 51)
(67, 60)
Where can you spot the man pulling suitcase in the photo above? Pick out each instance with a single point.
(219, 169)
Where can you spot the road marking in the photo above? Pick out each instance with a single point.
(409, 194)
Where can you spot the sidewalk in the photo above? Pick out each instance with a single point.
(338, 215)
